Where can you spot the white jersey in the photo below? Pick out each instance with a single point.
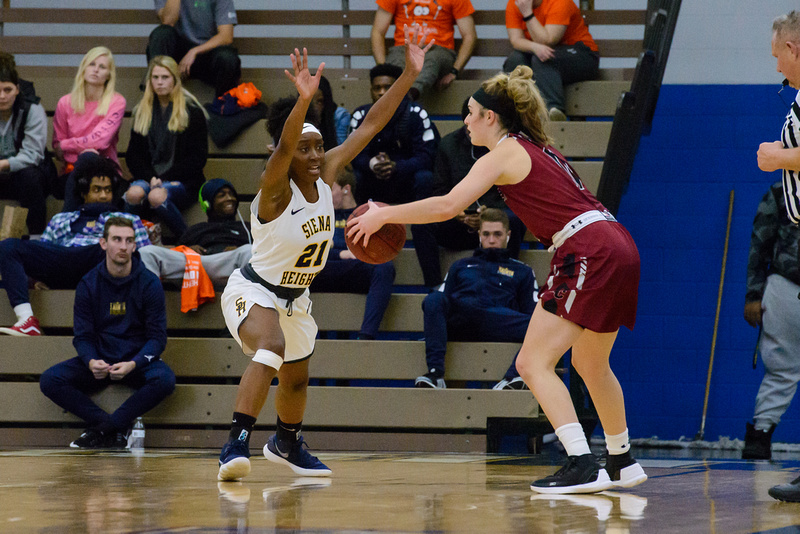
(290, 250)
(790, 136)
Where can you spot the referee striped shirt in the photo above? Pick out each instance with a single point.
(790, 136)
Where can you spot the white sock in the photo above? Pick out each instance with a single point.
(573, 439)
(618, 444)
(23, 311)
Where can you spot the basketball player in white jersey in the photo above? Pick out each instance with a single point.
(266, 303)
(785, 154)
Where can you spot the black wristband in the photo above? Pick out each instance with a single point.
(529, 17)
(454, 72)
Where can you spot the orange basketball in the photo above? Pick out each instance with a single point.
(384, 244)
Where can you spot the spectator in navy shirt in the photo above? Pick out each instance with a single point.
(486, 297)
(120, 332)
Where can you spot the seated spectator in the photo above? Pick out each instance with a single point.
(168, 148)
(454, 159)
(345, 274)
(69, 248)
(442, 64)
(333, 120)
(551, 37)
(86, 122)
(397, 165)
(120, 333)
(24, 167)
(487, 297)
(198, 36)
(223, 242)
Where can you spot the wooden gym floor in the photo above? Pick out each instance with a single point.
(63, 490)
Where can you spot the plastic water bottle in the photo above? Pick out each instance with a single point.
(136, 439)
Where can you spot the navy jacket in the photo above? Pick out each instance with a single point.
(491, 279)
(120, 319)
(409, 138)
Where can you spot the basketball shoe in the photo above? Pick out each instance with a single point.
(297, 458)
(581, 474)
(234, 461)
(28, 327)
(624, 471)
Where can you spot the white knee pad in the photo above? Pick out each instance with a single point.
(268, 358)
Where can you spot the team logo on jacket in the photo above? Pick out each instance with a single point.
(505, 271)
(117, 308)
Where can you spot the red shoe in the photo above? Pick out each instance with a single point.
(29, 328)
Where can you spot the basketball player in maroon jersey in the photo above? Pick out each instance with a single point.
(594, 275)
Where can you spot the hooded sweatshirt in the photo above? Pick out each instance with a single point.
(120, 319)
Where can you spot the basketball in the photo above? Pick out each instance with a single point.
(384, 244)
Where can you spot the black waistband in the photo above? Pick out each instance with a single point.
(286, 293)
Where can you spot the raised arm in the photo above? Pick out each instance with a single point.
(549, 34)
(506, 164)
(381, 112)
(275, 190)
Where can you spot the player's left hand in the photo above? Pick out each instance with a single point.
(769, 156)
(415, 39)
(365, 225)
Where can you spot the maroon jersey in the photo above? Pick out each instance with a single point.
(550, 196)
(594, 274)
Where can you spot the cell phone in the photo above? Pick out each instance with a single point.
(471, 211)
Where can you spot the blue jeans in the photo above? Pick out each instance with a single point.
(70, 383)
(169, 212)
(56, 266)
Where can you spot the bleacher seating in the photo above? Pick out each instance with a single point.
(345, 403)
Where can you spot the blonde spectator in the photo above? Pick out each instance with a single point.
(168, 147)
(87, 120)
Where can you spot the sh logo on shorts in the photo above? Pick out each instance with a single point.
(240, 306)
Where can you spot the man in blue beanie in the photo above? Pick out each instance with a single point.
(223, 242)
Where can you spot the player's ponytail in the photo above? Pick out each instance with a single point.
(531, 111)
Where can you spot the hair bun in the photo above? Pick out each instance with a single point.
(522, 72)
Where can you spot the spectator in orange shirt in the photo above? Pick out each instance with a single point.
(551, 37)
(442, 63)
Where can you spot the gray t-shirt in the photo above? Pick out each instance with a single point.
(199, 19)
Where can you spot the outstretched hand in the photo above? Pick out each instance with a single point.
(365, 225)
(304, 82)
(415, 37)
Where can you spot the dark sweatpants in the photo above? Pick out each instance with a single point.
(56, 266)
(443, 320)
(70, 383)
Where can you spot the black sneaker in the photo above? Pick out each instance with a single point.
(430, 380)
(118, 441)
(786, 492)
(624, 471)
(90, 439)
(757, 443)
(581, 474)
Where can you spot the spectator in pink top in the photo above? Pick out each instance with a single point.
(87, 121)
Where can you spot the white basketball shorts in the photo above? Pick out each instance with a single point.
(299, 329)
